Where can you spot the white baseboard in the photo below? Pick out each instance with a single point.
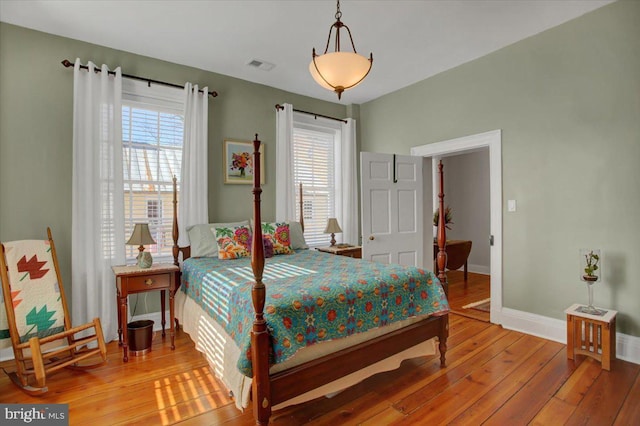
(479, 269)
(476, 269)
(156, 318)
(627, 347)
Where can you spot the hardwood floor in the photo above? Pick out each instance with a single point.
(477, 289)
(493, 376)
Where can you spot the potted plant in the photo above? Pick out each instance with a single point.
(448, 217)
(591, 259)
(590, 273)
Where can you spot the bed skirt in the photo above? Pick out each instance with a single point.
(222, 354)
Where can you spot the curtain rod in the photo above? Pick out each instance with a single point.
(278, 106)
(68, 64)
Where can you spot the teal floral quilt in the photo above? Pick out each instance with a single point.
(311, 297)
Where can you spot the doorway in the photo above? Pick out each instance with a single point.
(493, 141)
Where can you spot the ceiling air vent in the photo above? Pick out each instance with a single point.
(262, 65)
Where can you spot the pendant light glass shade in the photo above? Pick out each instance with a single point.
(339, 70)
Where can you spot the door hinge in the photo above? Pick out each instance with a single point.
(491, 240)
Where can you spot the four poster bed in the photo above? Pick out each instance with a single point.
(326, 322)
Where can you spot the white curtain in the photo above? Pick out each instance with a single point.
(97, 230)
(285, 188)
(193, 206)
(349, 202)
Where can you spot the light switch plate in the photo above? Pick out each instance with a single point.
(511, 205)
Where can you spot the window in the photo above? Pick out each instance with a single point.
(152, 139)
(314, 165)
(154, 207)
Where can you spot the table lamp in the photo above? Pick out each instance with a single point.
(140, 237)
(332, 228)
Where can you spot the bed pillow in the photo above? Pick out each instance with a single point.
(279, 234)
(296, 236)
(267, 244)
(202, 238)
(233, 242)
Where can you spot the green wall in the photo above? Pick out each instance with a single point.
(36, 132)
(568, 103)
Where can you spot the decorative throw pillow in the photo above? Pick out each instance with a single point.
(233, 243)
(202, 238)
(267, 244)
(278, 233)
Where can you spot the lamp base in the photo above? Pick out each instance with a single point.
(333, 239)
(144, 260)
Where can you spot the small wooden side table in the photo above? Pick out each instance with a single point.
(349, 251)
(591, 335)
(457, 256)
(132, 279)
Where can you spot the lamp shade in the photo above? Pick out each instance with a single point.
(141, 235)
(332, 226)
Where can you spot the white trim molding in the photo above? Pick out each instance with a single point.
(479, 269)
(157, 320)
(493, 141)
(627, 347)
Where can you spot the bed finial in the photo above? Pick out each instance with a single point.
(261, 386)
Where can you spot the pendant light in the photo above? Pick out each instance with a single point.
(339, 71)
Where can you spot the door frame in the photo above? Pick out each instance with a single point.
(465, 144)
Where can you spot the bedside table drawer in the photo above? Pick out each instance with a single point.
(355, 252)
(148, 282)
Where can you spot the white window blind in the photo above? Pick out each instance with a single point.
(152, 137)
(314, 167)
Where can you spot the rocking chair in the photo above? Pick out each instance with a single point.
(37, 318)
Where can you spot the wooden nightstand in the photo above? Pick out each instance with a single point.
(351, 251)
(131, 279)
(591, 335)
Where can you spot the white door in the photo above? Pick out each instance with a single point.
(392, 208)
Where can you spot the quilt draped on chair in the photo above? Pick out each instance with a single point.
(34, 292)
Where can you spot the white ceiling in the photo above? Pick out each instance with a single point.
(410, 40)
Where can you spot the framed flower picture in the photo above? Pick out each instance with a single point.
(238, 162)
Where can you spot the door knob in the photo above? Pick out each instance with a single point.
(372, 237)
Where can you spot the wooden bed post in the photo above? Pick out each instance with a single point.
(261, 388)
(442, 262)
(442, 235)
(175, 233)
(301, 209)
